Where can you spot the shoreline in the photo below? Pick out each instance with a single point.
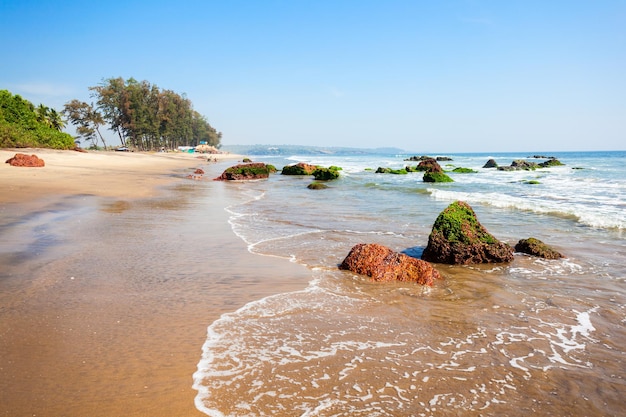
(108, 288)
(102, 173)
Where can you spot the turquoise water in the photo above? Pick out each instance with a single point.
(532, 336)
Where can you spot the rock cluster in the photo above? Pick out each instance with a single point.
(457, 237)
(382, 264)
(23, 160)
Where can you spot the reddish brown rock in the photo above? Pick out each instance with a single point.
(23, 160)
(198, 171)
(429, 165)
(382, 264)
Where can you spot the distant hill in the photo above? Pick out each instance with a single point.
(287, 150)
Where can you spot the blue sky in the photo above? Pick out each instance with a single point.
(444, 76)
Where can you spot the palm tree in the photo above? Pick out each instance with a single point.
(56, 120)
(43, 115)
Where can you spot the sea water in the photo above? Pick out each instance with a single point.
(530, 336)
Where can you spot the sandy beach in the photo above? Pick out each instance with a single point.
(108, 281)
(109, 174)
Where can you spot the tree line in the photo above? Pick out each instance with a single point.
(142, 115)
(22, 125)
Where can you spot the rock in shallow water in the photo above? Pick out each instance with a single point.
(382, 264)
(241, 172)
(458, 238)
(536, 247)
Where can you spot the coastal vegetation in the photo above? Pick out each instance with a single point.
(144, 116)
(22, 125)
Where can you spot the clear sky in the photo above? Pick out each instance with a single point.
(446, 76)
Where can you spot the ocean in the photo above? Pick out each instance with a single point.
(531, 336)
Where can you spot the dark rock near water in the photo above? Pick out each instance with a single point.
(536, 247)
(242, 172)
(317, 186)
(383, 170)
(551, 162)
(23, 160)
(382, 264)
(424, 157)
(458, 237)
(491, 164)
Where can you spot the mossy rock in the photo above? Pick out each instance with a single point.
(461, 170)
(271, 168)
(552, 162)
(532, 182)
(317, 186)
(325, 174)
(436, 177)
(300, 168)
(253, 171)
(457, 237)
(246, 160)
(536, 247)
(382, 170)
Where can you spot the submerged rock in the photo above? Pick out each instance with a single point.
(23, 160)
(458, 237)
(536, 247)
(317, 186)
(382, 264)
(241, 172)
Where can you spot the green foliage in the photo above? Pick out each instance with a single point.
(148, 118)
(436, 177)
(458, 223)
(326, 174)
(22, 125)
(461, 170)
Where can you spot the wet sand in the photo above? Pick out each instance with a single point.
(113, 265)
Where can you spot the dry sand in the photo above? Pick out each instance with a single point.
(111, 174)
(112, 265)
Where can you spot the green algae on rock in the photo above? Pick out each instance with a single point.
(457, 237)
